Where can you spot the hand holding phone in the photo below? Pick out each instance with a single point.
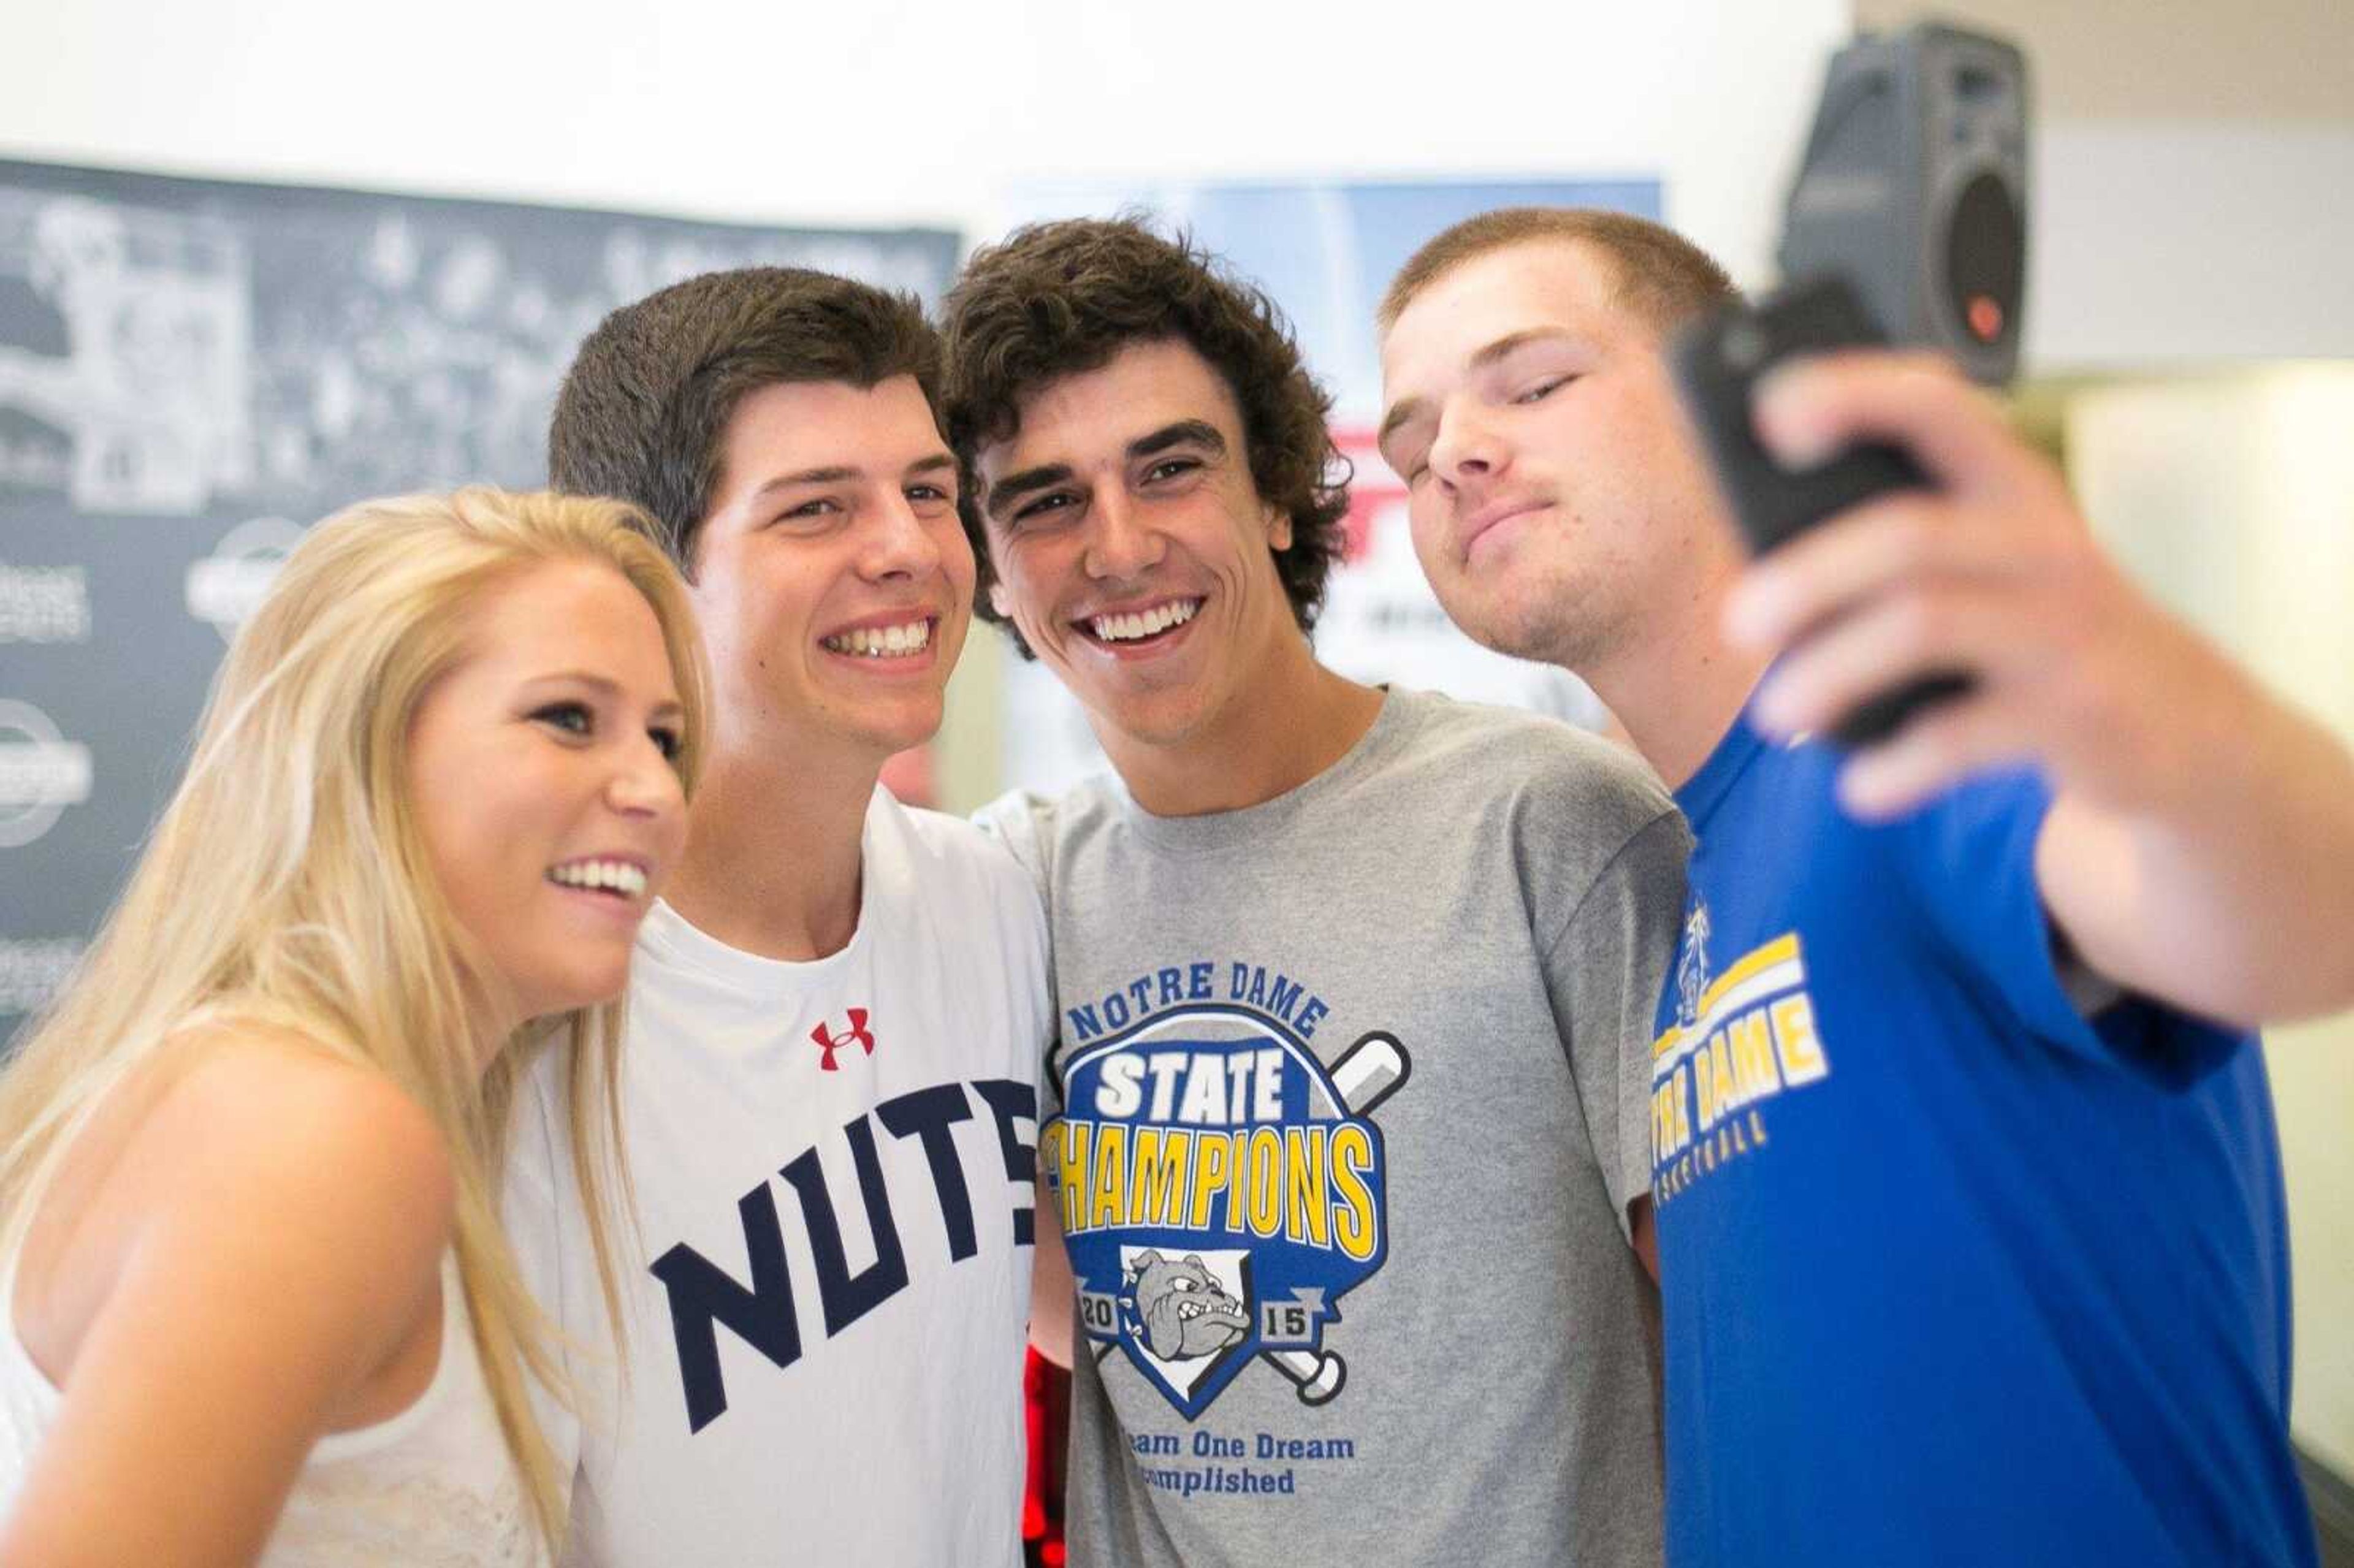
(1716, 363)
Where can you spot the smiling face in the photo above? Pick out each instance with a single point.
(832, 578)
(1556, 502)
(1132, 550)
(540, 769)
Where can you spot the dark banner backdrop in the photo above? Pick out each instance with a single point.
(193, 371)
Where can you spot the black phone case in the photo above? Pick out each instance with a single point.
(1716, 363)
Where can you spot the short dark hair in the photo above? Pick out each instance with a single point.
(1061, 299)
(1664, 277)
(645, 407)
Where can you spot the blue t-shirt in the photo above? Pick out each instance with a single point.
(1952, 1273)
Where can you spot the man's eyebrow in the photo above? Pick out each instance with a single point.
(1195, 433)
(1512, 342)
(1184, 432)
(1409, 408)
(932, 465)
(834, 474)
(1015, 486)
(1401, 411)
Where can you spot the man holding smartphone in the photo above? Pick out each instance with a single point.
(1968, 1198)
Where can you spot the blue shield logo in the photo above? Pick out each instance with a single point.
(1221, 1190)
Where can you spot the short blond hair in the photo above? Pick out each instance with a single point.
(1662, 275)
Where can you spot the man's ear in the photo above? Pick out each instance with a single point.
(1278, 529)
(997, 601)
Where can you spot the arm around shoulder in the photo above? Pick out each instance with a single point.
(285, 1244)
(1022, 822)
(1053, 1291)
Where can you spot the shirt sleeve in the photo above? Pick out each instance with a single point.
(1605, 973)
(1022, 821)
(1968, 862)
(1013, 819)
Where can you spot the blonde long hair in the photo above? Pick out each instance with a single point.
(287, 883)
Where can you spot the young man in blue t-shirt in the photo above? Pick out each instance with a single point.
(1970, 1221)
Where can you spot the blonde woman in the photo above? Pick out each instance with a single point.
(260, 1307)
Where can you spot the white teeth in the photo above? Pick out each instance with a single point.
(614, 875)
(884, 642)
(1145, 623)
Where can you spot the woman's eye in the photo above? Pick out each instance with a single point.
(666, 741)
(1538, 392)
(573, 718)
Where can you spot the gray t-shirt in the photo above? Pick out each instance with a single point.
(1350, 1093)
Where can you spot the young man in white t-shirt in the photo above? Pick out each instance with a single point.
(837, 1013)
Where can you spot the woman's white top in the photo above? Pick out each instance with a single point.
(433, 1486)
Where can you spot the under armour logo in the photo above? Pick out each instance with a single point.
(856, 1034)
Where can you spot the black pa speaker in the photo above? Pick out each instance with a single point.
(1914, 184)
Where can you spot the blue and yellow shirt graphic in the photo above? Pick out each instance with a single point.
(1221, 1190)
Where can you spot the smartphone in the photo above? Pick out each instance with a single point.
(1716, 363)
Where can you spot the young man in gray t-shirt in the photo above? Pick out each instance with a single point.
(1348, 1110)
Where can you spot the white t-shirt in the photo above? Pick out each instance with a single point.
(827, 1296)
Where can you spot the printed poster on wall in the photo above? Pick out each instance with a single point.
(191, 373)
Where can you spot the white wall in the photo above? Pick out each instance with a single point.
(2232, 498)
(920, 110)
(2180, 242)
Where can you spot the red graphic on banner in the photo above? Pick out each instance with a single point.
(1371, 489)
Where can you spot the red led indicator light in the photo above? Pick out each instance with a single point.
(1984, 318)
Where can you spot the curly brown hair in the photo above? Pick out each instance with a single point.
(1061, 299)
(645, 407)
